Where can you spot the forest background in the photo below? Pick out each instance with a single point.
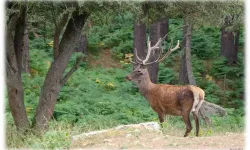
(120, 103)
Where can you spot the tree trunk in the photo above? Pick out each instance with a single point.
(236, 43)
(82, 45)
(164, 27)
(140, 40)
(14, 80)
(58, 29)
(157, 31)
(53, 81)
(229, 43)
(25, 54)
(19, 37)
(186, 74)
(155, 35)
(227, 46)
(56, 42)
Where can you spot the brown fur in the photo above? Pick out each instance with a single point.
(167, 99)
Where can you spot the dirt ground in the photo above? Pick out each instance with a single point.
(141, 138)
(104, 59)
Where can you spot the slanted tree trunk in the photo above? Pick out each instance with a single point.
(58, 30)
(13, 69)
(186, 73)
(19, 37)
(25, 54)
(54, 79)
(140, 40)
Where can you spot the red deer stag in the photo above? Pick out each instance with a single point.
(164, 98)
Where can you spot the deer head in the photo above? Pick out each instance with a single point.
(140, 72)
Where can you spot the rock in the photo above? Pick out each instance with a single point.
(208, 109)
(151, 126)
(148, 125)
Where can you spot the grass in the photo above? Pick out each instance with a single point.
(58, 136)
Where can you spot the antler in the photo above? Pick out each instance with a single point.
(151, 49)
(170, 50)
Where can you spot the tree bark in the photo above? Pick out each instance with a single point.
(52, 84)
(155, 35)
(82, 45)
(227, 46)
(25, 54)
(157, 31)
(229, 43)
(13, 70)
(19, 37)
(140, 40)
(58, 29)
(164, 27)
(186, 73)
(236, 43)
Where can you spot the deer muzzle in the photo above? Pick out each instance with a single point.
(128, 77)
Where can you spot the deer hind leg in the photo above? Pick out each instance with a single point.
(196, 119)
(196, 102)
(199, 106)
(186, 119)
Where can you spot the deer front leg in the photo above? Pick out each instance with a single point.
(186, 119)
(161, 117)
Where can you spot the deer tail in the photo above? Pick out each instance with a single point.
(199, 96)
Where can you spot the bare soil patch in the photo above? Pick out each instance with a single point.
(105, 60)
(143, 138)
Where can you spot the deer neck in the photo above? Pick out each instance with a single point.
(145, 86)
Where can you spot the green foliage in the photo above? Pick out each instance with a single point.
(100, 94)
(205, 42)
(213, 92)
(167, 75)
(118, 36)
(234, 120)
(198, 66)
(220, 69)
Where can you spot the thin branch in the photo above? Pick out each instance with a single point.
(174, 30)
(62, 22)
(72, 70)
